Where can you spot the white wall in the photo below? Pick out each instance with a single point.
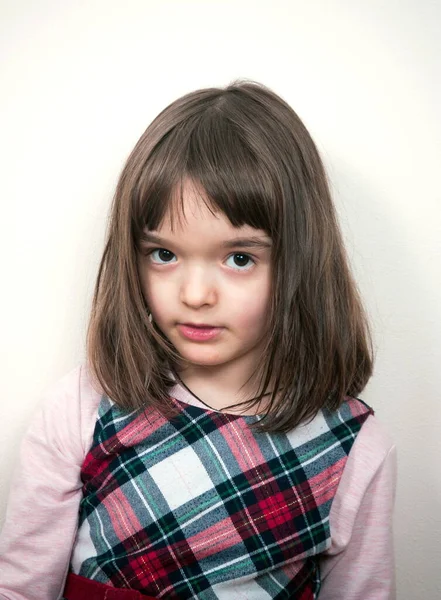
(81, 80)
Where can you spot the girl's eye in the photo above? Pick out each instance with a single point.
(162, 256)
(240, 262)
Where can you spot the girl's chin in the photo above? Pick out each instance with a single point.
(203, 359)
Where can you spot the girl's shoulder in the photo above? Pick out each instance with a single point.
(374, 445)
(373, 440)
(371, 468)
(68, 410)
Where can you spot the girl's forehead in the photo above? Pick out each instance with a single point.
(200, 224)
(191, 212)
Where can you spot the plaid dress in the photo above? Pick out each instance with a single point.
(203, 506)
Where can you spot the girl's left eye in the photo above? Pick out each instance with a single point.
(161, 256)
(240, 262)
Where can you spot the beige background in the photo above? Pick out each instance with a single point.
(81, 80)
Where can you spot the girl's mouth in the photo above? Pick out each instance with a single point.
(198, 333)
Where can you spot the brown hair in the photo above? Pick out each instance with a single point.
(255, 160)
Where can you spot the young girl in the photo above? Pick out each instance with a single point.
(212, 446)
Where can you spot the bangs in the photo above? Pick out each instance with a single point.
(212, 152)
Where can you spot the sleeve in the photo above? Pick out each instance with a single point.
(360, 562)
(42, 511)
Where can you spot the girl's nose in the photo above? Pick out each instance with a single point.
(198, 288)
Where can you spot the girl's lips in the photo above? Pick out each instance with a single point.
(198, 333)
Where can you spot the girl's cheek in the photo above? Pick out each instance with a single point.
(159, 294)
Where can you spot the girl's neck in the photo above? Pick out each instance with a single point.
(220, 387)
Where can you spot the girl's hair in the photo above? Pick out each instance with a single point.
(255, 161)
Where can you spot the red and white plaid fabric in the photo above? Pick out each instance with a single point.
(202, 506)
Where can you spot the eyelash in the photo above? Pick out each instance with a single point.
(151, 251)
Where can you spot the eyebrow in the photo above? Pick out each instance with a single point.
(251, 242)
(247, 242)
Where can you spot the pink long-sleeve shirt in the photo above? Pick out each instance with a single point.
(42, 514)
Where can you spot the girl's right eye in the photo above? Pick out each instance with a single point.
(161, 256)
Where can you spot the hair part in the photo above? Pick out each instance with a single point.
(253, 160)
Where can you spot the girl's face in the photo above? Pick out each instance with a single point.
(207, 285)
